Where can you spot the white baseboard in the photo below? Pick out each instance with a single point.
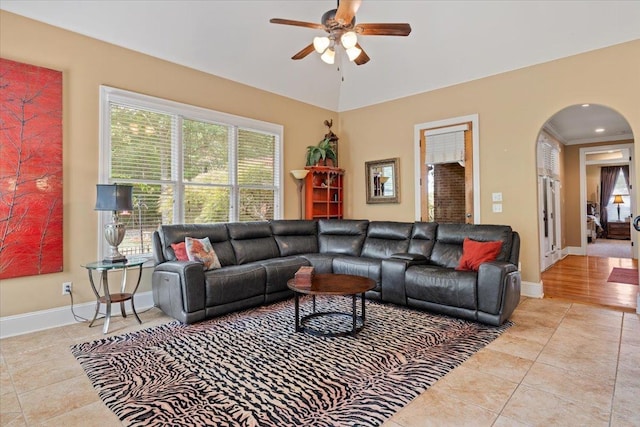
(531, 289)
(60, 316)
(575, 250)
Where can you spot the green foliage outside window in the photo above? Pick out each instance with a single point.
(143, 153)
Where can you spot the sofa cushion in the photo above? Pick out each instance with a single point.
(217, 233)
(341, 236)
(295, 237)
(180, 250)
(358, 266)
(448, 247)
(475, 253)
(322, 263)
(200, 250)
(279, 271)
(234, 283)
(442, 286)
(423, 237)
(252, 241)
(385, 238)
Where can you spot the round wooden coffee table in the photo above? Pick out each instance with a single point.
(332, 284)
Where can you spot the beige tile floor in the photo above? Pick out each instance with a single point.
(562, 364)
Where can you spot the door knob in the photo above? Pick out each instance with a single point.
(636, 223)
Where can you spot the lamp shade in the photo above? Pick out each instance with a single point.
(114, 197)
(328, 56)
(618, 198)
(299, 173)
(353, 53)
(320, 44)
(349, 39)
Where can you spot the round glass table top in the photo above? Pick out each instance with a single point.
(102, 265)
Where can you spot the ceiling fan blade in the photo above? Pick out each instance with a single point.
(383, 29)
(296, 23)
(346, 11)
(304, 52)
(363, 58)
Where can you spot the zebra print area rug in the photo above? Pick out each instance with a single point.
(252, 369)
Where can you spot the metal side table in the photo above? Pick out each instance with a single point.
(108, 298)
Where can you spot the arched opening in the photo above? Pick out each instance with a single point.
(585, 173)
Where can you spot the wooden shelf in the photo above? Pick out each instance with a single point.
(324, 195)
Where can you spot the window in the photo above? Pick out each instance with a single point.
(186, 164)
(625, 207)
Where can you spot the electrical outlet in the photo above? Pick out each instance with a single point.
(66, 288)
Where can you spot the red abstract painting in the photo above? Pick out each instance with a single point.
(30, 170)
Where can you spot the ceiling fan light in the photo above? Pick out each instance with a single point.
(349, 39)
(353, 53)
(329, 56)
(320, 44)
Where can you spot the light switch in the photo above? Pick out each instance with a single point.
(496, 197)
(497, 207)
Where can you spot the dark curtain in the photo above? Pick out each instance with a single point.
(608, 176)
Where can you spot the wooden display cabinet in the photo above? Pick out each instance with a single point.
(324, 191)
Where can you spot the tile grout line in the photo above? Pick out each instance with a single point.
(520, 384)
(615, 382)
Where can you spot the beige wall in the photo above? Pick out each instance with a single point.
(86, 64)
(593, 183)
(512, 107)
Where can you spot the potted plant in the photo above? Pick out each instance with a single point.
(317, 154)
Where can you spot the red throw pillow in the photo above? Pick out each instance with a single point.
(475, 253)
(180, 249)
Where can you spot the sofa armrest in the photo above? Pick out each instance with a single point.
(392, 282)
(412, 259)
(179, 289)
(392, 276)
(498, 288)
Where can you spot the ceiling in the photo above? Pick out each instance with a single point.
(577, 124)
(451, 41)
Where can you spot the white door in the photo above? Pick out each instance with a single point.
(549, 217)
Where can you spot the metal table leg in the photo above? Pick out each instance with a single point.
(297, 309)
(362, 297)
(97, 294)
(107, 296)
(354, 314)
(133, 307)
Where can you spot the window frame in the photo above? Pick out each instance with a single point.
(182, 111)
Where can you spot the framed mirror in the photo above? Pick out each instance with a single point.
(382, 181)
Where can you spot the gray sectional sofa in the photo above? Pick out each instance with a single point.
(413, 264)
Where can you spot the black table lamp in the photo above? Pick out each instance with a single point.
(115, 198)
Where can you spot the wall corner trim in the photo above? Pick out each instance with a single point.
(532, 290)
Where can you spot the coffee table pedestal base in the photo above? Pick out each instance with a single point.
(355, 318)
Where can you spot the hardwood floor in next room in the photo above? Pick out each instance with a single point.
(584, 279)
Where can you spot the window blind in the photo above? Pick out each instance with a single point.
(548, 158)
(186, 164)
(445, 145)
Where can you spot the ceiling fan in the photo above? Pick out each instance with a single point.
(343, 31)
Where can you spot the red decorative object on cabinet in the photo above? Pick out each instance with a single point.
(324, 192)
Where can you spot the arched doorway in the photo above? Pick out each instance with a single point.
(576, 206)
